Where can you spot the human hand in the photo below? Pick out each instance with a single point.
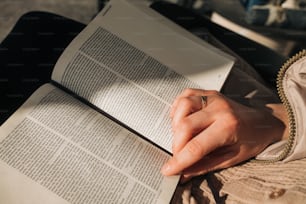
(220, 134)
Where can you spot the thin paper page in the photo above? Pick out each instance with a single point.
(144, 6)
(141, 27)
(132, 66)
(198, 62)
(68, 153)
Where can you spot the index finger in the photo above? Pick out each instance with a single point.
(201, 145)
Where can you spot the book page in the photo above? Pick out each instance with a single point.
(55, 149)
(132, 65)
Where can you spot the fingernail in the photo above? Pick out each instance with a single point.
(184, 179)
(165, 169)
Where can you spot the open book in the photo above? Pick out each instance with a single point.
(100, 131)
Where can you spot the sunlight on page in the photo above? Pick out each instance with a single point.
(63, 147)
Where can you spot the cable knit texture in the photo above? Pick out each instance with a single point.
(249, 183)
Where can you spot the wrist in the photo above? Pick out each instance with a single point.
(279, 112)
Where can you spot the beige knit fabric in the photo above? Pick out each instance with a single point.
(249, 183)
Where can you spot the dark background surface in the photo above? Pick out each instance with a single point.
(290, 40)
(232, 10)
